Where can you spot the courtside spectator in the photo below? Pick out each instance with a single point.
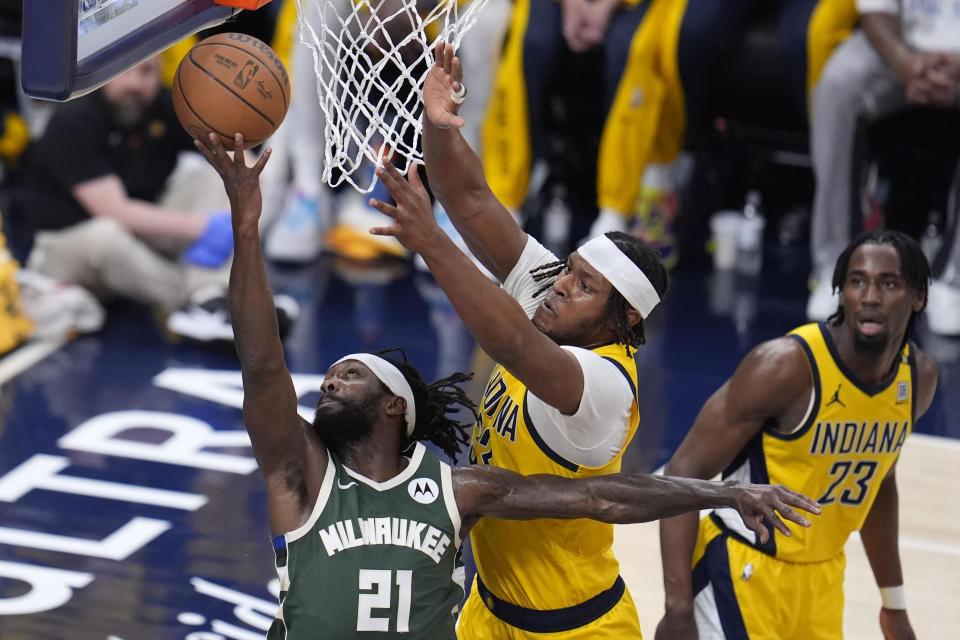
(906, 53)
(122, 211)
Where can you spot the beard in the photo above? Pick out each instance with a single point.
(574, 335)
(127, 113)
(872, 345)
(344, 423)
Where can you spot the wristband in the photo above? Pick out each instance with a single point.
(460, 95)
(893, 597)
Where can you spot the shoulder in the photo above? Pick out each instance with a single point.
(780, 358)
(599, 363)
(774, 372)
(927, 374)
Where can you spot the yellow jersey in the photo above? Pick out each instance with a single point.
(839, 455)
(547, 563)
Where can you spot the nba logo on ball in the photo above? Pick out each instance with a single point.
(231, 83)
(423, 490)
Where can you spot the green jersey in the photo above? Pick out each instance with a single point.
(375, 559)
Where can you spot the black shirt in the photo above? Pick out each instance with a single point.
(83, 142)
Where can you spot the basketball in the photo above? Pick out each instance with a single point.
(231, 82)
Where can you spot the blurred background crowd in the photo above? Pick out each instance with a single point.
(728, 135)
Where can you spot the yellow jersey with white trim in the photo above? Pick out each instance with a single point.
(839, 455)
(547, 563)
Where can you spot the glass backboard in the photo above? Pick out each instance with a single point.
(71, 47)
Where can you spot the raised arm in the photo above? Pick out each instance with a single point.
(771, 378)
(495, 319)
(291, 457)
(485, 491)
(455, 173)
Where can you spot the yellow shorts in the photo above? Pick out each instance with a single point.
(744, 594)
(477, 622)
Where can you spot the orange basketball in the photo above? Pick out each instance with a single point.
(231, 82)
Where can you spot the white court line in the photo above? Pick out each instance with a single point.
(937, 442)
(919, 544)
(26, 356)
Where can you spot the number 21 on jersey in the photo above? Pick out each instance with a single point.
(376, 591)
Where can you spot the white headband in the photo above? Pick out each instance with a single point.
(625, 276)
(390, 376)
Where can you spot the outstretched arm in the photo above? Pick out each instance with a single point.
(772, 378)
(494, 318)
(456, 175)
(485, 491)
(282, 442)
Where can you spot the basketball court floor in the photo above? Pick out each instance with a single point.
(131, 507)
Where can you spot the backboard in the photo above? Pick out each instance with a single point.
(71, 47)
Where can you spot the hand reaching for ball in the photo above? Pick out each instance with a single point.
(241, 182)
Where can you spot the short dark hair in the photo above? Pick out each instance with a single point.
(913, 265)
(435, 404)
(640, 254)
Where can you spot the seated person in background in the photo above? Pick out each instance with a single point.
(695, 38)
(661, 58)
(907, 53)
(513, 136)
(118, 210)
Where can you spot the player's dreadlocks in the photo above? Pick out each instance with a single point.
(644, 257)
(435, 403)
(913, 265)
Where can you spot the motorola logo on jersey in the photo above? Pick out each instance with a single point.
(423, 490)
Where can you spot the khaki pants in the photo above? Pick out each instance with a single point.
(102, 255)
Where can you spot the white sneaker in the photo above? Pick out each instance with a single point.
(297, 236)
(943, 309)
(57, 308)
(206, 318)
(823, 301)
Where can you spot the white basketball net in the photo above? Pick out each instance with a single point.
(371, 58)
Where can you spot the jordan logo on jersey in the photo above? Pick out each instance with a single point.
(836, 398)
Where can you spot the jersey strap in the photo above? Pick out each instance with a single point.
(541, 444)
(622, 370)
(552, 620)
